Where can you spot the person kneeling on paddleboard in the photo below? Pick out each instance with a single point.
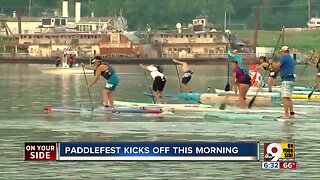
(108, 72)
(243, 80)
(256, 78)
(159, 82)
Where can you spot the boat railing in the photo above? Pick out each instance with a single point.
(211, 55)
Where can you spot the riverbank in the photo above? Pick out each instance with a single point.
(200, 61)
(45, 60)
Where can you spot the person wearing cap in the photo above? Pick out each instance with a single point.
(159, 82)
(272, 72)
(243, 80)
(286, 70)
(187, 72)
(108, 72)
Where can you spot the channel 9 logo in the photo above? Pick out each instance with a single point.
(279, 152)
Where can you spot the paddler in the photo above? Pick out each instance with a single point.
(159, 82)
(234, 55)
(272, 72)
(108, 72)
(187, 73)
(318, 70)
(286, 69)
(256, 78)
(243, 81)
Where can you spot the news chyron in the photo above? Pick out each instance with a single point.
(279, 156)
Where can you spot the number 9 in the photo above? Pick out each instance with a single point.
(275, 150)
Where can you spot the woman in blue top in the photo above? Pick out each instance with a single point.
(107, 71)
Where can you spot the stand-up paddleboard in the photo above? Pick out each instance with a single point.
(305, 105)
(176, 107)
(296, 117)
(151, 95)
(305, 96)
(250, 93)
(102, 110)
(236, 116)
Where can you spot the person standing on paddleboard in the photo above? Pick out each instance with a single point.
(272, 72)
(159, 82)
(243, 81)
(187, 73)
(234, 55)
(318, 70)
(108, 72)
(286, 69)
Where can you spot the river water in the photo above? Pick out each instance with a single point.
(25, 91)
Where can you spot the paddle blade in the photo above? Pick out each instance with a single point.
(227, 88)
(222, 106)
(309, 96)
(251, 102)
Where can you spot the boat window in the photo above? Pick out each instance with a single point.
(181, 36)
(205, 35)
(198, 35)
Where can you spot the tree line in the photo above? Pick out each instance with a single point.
(273, 14)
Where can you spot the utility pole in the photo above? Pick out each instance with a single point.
(309, 9)
(30, 1)
(257, 23)
(225, 21)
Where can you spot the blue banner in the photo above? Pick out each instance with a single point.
(159, 151)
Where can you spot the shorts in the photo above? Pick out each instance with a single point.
(246, 80)
(287, 88)
(273, 74)
(318, 74)
(185, 80)
(112, 82)
(158, 83)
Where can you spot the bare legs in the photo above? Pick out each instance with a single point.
(157, 96)
(107, 98)
(185, 87)
(271, 82)
(243, 89)
(288, 106)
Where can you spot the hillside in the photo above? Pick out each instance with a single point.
(301, 40)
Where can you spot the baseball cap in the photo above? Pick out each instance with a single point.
(285, 48)
(97, 58)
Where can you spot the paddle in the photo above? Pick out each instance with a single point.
(89, 93)
(314, 89)
(178, 77)
(305, 67)
(227, 87)
(145, 75)
(272, 56)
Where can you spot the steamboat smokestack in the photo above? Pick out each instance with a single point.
(78, 12)
(65, 8)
